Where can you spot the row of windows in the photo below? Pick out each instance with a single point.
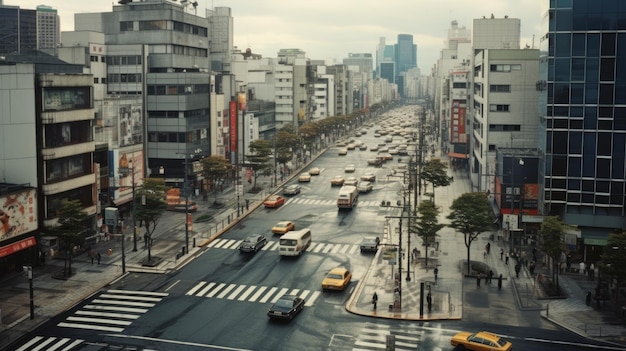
(97, 80)
(82, 194)
(590, 144)
(125, 77)
(587, 198)
(587, 70)
(94, 58)
(505, 68)
(178, 89)
(499, 88)
(177, 114)
(178, 137)
(504, 127)
(126, 26)
(499, 108)
(586, 166)
(124, 60)
(68, 167)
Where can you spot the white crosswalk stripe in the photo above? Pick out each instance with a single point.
(374, 337)
(252, 293)
(50, 343)
(305, 201)
(344, 249)
(113, 310)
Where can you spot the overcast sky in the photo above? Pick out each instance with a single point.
(330, 29)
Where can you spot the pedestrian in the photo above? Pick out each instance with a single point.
(532, 268)
(506, 258)
(592, 272)
(500, 282)
(489, 277)
(518, 268)
(436, 271)
(488, 248)
(581, 268)
(91, 255)
(485, 254)
(501, 254)
(375, 300)
(478, 277)
(415, 254)
(429, 300)
(98, 257)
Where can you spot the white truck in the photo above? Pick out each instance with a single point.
(348, 196)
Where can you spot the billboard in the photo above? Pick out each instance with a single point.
(18, 213)
(233, 125)
(457, 123)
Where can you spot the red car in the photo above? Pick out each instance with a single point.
(274, 201)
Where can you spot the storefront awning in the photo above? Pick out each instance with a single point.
(457, 155)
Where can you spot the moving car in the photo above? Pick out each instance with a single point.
(350, 169)
(314, 171)
(370, 177)
(283, 227)
(342, 152)
(481, 341)
(304, 177)
(292, 189)
(337, 180)
(376, 162)
(370, 244)
(374, 148)
(337, 279)
(363, 147)
(253, 243)
(287, 307)
(274, 201)
(351, 181)
(365, 187)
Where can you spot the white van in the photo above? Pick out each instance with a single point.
(294, 242)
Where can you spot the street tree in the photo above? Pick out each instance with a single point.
(258, 160)
(215, 168)
(70, 230)
(434, 172)
(614, 260)
(471, 214)
(427, 224)
(286, 143)
(148, 208)
(552, 244)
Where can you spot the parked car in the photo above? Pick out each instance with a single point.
(304, 177)
(370, 244)
(283, 227)
(342, 152)
(287, 307)
(351, 181)
(314, 171)
(350, 168)
(292, 189)
(337, 180)
(365, 187)
(337, 279)
(274, 201)
(481, 341)
(370, 177)
(362, 147)
(253, 243)
(374, 148)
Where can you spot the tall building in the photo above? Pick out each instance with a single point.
(18, 30)
(48, 28)
(583, 118)
(405, 53)
(221, 32)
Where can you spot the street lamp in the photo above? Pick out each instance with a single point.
(515, 191)
(132, 172)
(186, 190)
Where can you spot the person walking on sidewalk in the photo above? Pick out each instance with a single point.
(375, 300)
(518, 268)
(501, 253)
(478, 277)
(436, 271)
(506, 258)
(500, 282)
(98, 257)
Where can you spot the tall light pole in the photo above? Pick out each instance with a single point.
(186, 190)
(132, 172)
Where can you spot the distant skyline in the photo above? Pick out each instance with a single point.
(330, 30)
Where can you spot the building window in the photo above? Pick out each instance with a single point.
(95, 80)
(498, 108)
(499, 88)
(126, 26)
(505, 68)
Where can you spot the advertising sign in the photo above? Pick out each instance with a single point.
(233, 125)
(18, 213)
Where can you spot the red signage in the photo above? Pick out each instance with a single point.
(457, 129)
(17, 246)
(233, 125)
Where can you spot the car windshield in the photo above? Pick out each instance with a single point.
(334, 276)
(281, 225)
(286, 303)
(288, 242)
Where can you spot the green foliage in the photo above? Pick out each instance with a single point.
(259, 158)
(71, 224)
(614, 257)
(551, 237)
(150, 203)
(286, 142)
(427, 224)
(471, 214)
(434, 172)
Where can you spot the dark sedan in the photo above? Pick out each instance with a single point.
(287, 307)
(293, 189)
(370, 243)
(253, 243)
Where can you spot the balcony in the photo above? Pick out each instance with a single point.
(68, 184)
(68, 150)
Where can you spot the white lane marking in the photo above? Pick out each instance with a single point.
(206, 289)
(107, 314)
(226, 291)
(282, 292)
(115, 308)
(311, 300)
(123, 303)
(215, 291)
(98, 320)
(236, 292)
(135, 298)
(138, 292)
(90, 327)
(195, 288)
(246, 293)
(268, 295)
(258, 293)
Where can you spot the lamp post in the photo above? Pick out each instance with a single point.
(186, 190)
(515, 191)
(28, 271)
(132, 172)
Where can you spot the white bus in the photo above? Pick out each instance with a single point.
(294, 242)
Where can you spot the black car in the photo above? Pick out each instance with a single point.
(253, 243)
(370, 243)
(292, 189)
(286, 307)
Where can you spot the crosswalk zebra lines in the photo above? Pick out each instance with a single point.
(250, 293)
(233, 244)
(50, 343)
(305, 201)
(113, 310)
(374, 337)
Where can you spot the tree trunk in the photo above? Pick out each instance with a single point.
(469, 268)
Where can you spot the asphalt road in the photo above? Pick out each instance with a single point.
(219, 300)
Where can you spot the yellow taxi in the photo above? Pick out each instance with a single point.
(481, 341)
(337, 279)
(283, 227)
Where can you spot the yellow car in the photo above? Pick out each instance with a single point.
(337, 180)
(314, 171)
(337, 279)
(283, 227)
(481, 341)
(304, 177)
(274, 201)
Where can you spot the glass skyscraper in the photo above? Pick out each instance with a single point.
(583, 110)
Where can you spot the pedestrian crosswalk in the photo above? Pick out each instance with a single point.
(318, 247)
(250, 293)
(375, 336)
(50, 343)
(113, 310)
(305, 201)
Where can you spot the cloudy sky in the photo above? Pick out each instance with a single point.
(330, 29)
